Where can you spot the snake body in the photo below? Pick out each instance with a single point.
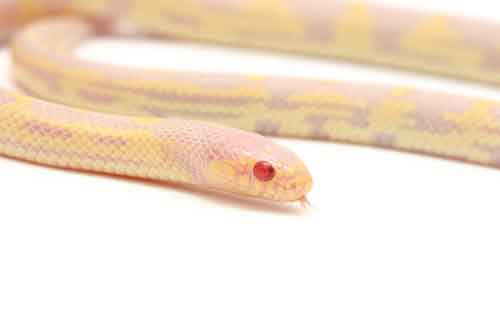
(136, 129)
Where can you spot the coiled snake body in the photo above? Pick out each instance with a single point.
(142, 123)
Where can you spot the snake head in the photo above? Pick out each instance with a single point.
(251, 165)
(230, 160)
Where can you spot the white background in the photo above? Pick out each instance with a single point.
(393, 243)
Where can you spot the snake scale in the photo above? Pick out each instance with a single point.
(198, 129)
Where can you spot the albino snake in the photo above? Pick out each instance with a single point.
(150, 140)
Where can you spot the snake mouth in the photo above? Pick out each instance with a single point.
(295, 187)
(289, 182)
(290, 191)
(301, 191)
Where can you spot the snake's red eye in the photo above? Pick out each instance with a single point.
(264, 171)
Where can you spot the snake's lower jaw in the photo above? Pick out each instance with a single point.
(292, 191)
(301, 194)
(290, 179)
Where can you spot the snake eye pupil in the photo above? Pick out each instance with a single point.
(264, 171)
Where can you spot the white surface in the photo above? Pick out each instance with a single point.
(394, 242)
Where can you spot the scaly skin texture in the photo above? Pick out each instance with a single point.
(175, 150)
(388, 116)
